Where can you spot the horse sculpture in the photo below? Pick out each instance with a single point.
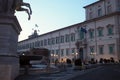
(8, 7)
(18, 7)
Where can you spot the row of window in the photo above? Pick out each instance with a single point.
(68, 52)
(50, 41)
(111, 49)
(100, 10)
(63, 51)
(100, 32)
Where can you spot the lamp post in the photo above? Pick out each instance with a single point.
(76, 55)
(52, 58)
(93, 55)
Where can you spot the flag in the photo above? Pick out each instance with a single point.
(36, 25)
(83, 30)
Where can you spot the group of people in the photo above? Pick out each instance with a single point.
(79, 62)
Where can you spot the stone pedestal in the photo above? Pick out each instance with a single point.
(9, 61)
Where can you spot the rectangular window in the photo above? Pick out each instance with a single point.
(67, 52)
(52, 51)
(92, 49)
(73, 37)
(61, 39)
(57, 52)
(101, 49)
(118, 5)
(73, 50)
(110, 30)
(30, 45)
(52, 41)
(62, 52)
(90, 15)
(81, 35)
(99, 12)
(37, 44)
(100, 32)
(49, 42)
(41, 42)
(111, 48)
(57, 40)
(45, 42)
(67, 38)
(109, 9)
(91, 33)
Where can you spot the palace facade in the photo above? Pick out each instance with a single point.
(97, 37)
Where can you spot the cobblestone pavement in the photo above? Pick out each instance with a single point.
(53, 76)
(107, 72)
(65, 75)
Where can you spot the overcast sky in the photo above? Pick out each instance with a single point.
(50, 15)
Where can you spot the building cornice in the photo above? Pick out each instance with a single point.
(93, 3)
(78, 24)
(102, 17)
(52, 32)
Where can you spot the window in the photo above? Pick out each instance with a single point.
(67, 52)
(73, 50)
(36, 43)
(49, 42)
(57, 52)
(73, 37)
(99, 12)
(118, 5)
(111, 48)
(90, 15)
(45, 42)
(91, 33)
(57, 40)
(110, 29)
(52, 51)
(109, 9)
(81, 34)
(100, 32)
(92, 49)
(41, 42)
(101, 49)
(30, 45)
(62, 39)
(62, 52)
(67, 38)
(52, 41)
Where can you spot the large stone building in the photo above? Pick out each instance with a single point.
(97, 37)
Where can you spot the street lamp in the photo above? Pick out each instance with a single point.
(93, 54)
(52, 58)
(76, 55)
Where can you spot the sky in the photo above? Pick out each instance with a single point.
(51, 15)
